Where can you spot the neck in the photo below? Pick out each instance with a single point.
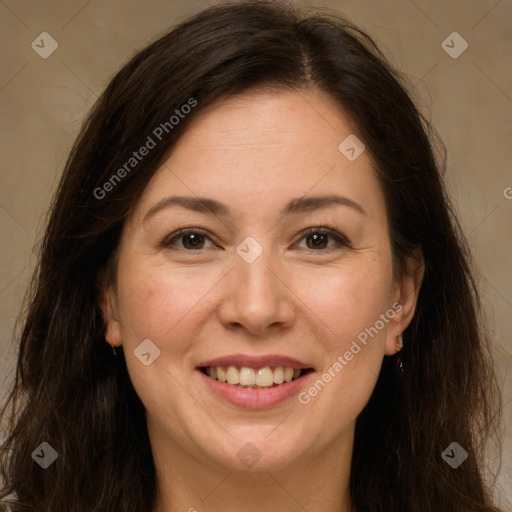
(317, 482)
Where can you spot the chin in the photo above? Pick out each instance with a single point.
(257, 449)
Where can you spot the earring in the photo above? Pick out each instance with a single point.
(399, 345)
(113, 348)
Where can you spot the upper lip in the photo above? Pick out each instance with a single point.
(255, 361)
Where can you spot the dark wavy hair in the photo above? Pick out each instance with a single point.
(72, 392)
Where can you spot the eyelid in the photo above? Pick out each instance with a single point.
(325, 230)
(166, 242)
(334, 233)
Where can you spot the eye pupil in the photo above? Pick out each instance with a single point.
(321, 238)
(315, 239)
(196, 239)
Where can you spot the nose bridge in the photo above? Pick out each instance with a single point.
(256, 297)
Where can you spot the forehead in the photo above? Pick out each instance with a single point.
(262, 147)
(270, 118)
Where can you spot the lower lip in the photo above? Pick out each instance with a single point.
(255, 398)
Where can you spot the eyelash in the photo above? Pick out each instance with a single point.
(342, 241)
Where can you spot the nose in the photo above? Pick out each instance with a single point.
(256, 297)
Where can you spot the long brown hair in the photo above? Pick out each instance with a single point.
(70, 389)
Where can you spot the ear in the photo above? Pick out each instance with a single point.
(404, 299)
(107, 303)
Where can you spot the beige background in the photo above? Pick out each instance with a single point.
(469, 100)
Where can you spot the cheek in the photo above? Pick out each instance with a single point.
(162, 306)
(158, 304)
(170, 307)
(347, 299)
(349, 303)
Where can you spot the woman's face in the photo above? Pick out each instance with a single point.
(246, 287)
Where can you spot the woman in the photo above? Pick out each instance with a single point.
(253, 218)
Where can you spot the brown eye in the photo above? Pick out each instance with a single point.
(318, 238)
(189, 238)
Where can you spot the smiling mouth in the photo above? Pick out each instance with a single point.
(254, 378)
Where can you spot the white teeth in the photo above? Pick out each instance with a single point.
(278, 375)
(247, 376)
(262, 378)
(221, 374)
(233, 375)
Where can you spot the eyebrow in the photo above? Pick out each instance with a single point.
(210, 206)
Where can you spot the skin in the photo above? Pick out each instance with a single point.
(255, 152)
